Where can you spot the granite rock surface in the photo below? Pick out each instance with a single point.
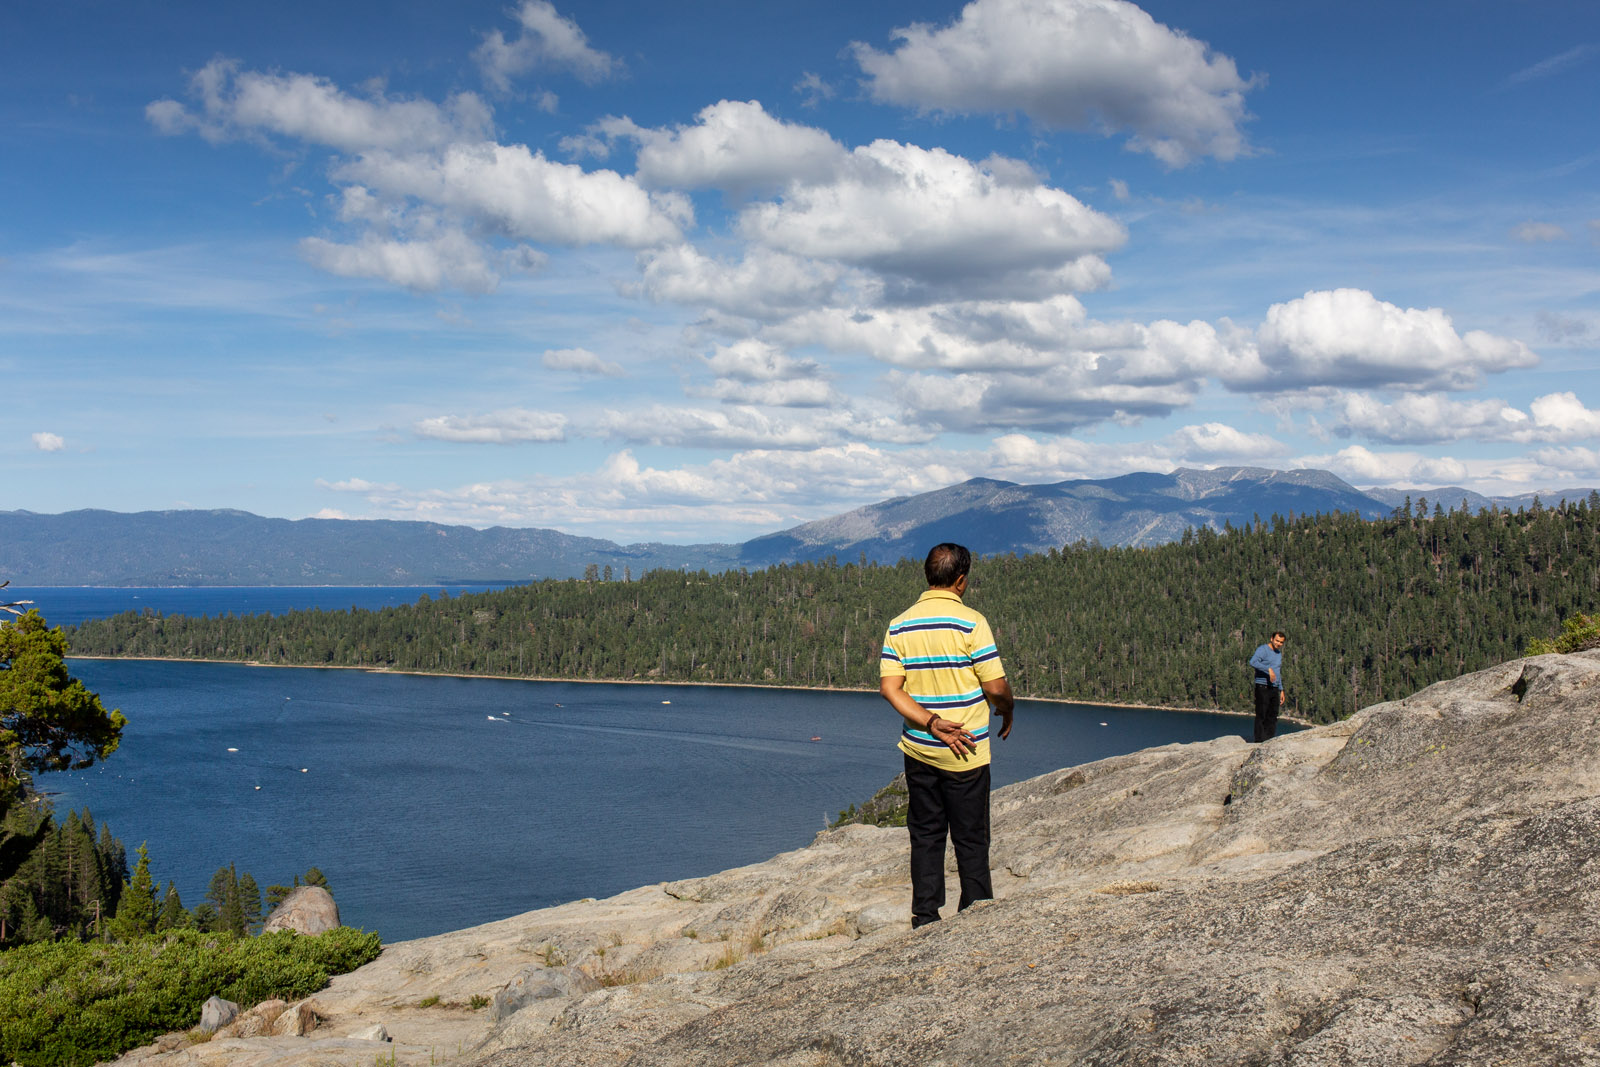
(1419, 884)
(308, 909)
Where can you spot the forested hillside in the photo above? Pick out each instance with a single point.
(1373, 610)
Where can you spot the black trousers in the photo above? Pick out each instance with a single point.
(1269, 698)
(954, 803)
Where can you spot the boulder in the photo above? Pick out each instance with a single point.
(255, 1022)
(883, 916)
(375, 1032)
(217, 1013)
(538, 983)
(309, 909)
(297, 1020)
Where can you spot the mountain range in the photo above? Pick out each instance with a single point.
(226, 547)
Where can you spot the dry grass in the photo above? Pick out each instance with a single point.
(627, 976)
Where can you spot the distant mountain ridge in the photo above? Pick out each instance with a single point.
(227, 547)
(991, 516)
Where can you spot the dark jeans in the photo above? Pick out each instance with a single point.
(953, 802)
(1269, 698)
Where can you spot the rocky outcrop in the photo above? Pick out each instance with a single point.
(216, 1013)
(539, 983)
(274, 1018)
(1417, 884)
(308, 909)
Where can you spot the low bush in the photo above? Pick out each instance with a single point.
(73, 1004)
(1578, 634)
(888, 807)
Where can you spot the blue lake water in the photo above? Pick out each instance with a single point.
(437, 803)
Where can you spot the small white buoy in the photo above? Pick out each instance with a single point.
(1104, 724)
(666, 702)
(302, 770)
(258, 789)
(233, 750)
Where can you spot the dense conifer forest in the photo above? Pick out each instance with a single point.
(1372, 610)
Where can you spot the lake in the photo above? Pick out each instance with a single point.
(438, 803)
(435, 803)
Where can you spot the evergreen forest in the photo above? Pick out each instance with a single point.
(1373, 610)
(71, 880)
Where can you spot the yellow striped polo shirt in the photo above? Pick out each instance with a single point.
(945, 652)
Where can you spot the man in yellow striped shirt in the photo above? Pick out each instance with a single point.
(941, 671)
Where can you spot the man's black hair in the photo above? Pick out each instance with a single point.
(946, 564)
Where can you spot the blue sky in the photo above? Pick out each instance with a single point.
(706, 270)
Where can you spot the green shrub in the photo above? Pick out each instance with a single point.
(888, 807)
(71, 1004)
(1579, 633)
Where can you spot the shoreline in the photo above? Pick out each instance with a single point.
(652, 681)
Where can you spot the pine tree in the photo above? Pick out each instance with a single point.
(223, 895)
(136, 913)
(173, 916)
(277, 894)
(249, 902)
(113, 868)
(50, 721)
(31, 924)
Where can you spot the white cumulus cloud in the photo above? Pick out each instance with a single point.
(1057, 400)
(1216, 442)
(730, 427)
(49, 442)
(762, 285)
(521, 194)
(548, 40)
(751, 360)
(1554, 418)
(1349, 338)
(1000, 336)
(415, 178)
(357, 485)
(733, 145)
(1564, 416)
(1362, 466)
(1076, 64)
(580, 361)
(938, 223)
(511, 426)
(1026, 458)
(1572, 462)
(1426, 418)
(450, 260)
(235, 103)
(800, 393)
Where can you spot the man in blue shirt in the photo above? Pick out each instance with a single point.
(1268, 664)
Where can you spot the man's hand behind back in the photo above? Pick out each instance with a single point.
(1001, 703)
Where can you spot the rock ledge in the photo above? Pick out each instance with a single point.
(1417, 884)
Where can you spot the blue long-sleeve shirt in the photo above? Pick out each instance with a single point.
(1266, 657)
